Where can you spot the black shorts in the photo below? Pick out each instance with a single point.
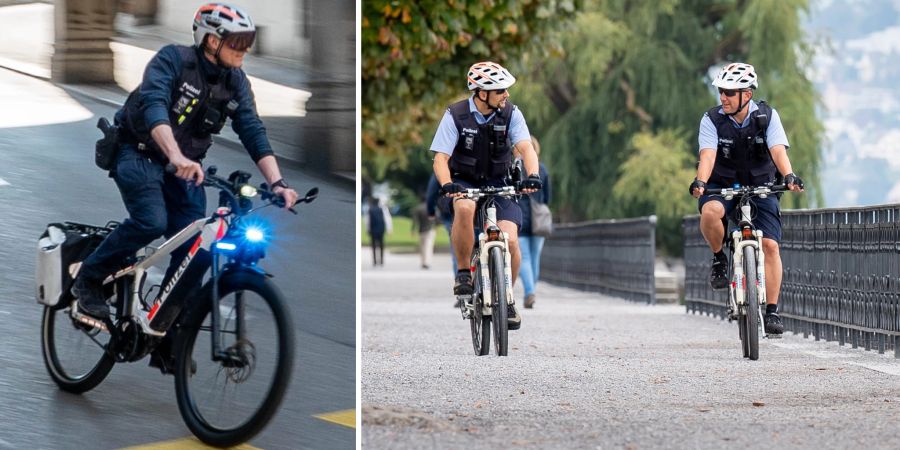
(507, 208)
(766, 212)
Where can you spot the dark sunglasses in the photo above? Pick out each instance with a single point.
(498, 91)
(240, 41)
(730, 92)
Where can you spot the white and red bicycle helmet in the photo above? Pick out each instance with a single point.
(736, 76)
(223, 20)
(489, 76)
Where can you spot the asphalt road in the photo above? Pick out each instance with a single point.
(594, 372)
(47, 175)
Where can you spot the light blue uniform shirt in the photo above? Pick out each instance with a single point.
(775, 135)
(446, 136)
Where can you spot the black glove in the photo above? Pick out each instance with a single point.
(452, 188)
(695, 185)
(793, 179)
(532, 182)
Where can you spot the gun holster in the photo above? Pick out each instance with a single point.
(107, 147)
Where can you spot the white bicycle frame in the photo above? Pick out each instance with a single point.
(736, 291)
(483, 260)
(210, 228)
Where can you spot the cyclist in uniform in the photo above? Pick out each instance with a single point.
(743, 142)
(186, 95)
(474, 147)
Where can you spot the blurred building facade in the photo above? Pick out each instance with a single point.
(317, 38)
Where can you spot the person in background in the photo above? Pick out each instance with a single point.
(378, 222)
(424, 223)
(531, 245)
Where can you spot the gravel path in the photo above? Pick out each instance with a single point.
(590, 371)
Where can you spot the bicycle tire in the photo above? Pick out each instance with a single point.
(752, 300)
(479, 324)
(742, 331)
(481, 331)
(94, 372)
(195, 420)
(499, 313)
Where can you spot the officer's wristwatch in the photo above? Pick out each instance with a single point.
(280, 183)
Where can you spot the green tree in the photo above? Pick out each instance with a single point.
(633, 83)
(415, 54)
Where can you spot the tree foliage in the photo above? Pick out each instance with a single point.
(633, 84)
(615, 95)
(415, 57)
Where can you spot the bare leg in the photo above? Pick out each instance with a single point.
(711, 224)
(462, 233)
(773, 271)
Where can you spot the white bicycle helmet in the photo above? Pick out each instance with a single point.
(736, 76)
(489, 76)
(222, 20)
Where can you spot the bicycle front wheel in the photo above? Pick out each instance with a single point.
(75, 354)
(751, 296)
(499, 312)
(227, 402)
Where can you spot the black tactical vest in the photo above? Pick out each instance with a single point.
(742, 155)
(482, 152)
(197, 110)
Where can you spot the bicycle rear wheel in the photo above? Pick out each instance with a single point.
(227, 402)
(751, 318)
(481, 328)
(499, 314)
(74, 354)
(742, 331)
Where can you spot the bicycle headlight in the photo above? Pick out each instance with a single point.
(248, 191)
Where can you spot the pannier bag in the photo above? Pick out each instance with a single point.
(61, 248)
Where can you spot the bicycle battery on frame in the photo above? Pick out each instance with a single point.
(186, 277)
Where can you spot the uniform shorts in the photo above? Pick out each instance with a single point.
(507, 208)
(766, 212)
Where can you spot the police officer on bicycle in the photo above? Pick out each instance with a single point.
(186, 95)
(474, 147)
(743, 142)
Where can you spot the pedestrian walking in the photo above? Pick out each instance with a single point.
(378, 223)
(424, 223)
(531, 240)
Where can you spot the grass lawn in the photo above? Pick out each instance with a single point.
(401, 239)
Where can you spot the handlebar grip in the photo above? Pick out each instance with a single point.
(171, 169)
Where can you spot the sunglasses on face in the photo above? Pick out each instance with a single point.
(729, 92)
(498, 91)
(240, 42)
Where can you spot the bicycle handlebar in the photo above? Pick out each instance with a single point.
(504, 191)
(746, 190)
(227, 187)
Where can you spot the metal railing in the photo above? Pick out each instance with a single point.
(615, 257)
(841, 277)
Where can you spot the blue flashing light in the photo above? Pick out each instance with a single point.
(254, 234)
(228, 246)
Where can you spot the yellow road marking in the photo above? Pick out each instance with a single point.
(346, 417)
(181, 444)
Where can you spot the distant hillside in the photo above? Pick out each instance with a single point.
(857, 74)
